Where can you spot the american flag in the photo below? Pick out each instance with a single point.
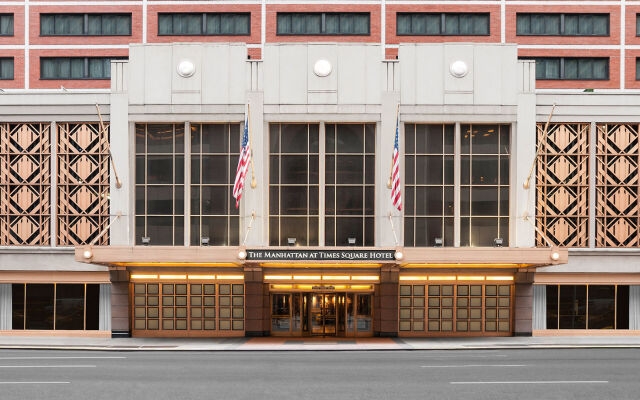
(243, 163)
(396, 196)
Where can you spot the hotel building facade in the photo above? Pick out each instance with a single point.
(120, 133)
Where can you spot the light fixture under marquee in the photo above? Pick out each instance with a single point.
(459, 69)
(186, 68)
(322, 68)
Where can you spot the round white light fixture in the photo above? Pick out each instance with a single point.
(186, 68)
(458, 69)
(87, 254)
(555, 256)
(322, 68)
(399, 256)
(242, 254)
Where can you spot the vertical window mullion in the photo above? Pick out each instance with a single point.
(562, 24)
(85, 28)
(323, 25)
(561, 67)
(442, 23)
(204, 30)
(86, 67)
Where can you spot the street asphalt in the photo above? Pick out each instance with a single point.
(437, 374)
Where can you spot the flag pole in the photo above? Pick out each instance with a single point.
(527, 181)
(391, 169)
(253, 175)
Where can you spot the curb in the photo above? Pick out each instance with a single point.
(299, 349)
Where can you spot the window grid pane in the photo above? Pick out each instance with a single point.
(440, 24)
(346, 23)
(215, 149)
(557, 24)
(484, 191)
(205, 24)
(160, 184)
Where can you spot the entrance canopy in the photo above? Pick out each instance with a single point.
(353, 257)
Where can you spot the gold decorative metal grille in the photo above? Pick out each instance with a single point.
(562, 198)
(617, 187)
(83, 184)
(25, 206)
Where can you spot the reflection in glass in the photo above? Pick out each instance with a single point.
(70, 306)
(39, 306)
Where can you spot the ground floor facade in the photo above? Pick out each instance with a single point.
(292, 299)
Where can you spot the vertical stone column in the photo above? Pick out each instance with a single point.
(523, 314)
(634, 307)
(386, 320)
(121, 141)
(384, 150)
(539, 307)
(6, 307)
(254, 302)
(255, 199)
(104, 307)
(120, 326)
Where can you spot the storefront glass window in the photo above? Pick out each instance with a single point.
(75, 306)
(160, 184)
(587, 306)
(215, 149)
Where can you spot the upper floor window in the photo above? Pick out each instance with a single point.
(550, 24)
(204, 24)
(107, 24)
(347, 23)
(428, 208)
(452, 24)
(637, 68)
(6, 68)
(159, 199)
(572, 68)
(215, 149)
(6, 24)
(76, 67)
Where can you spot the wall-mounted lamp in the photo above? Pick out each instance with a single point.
(145, 240)
(291, 241)
(437, 242)
(498, 242)
(351, 241)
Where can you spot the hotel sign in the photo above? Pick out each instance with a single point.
(320, 255)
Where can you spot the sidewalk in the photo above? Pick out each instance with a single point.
(306, 344)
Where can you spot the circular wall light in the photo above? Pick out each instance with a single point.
(322, 68)
(399, 256)
(186, 68)
(458, 69)
(242, 254)
(555, 256)
(87, 254)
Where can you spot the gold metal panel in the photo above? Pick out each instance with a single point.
(25, 204)
(562, 182)
(617, 211)
(83, 184)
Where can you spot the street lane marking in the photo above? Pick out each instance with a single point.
(31, 383)
(59, 358)
(47, 366)
(521, 382)
(465, 356)
(472, 365)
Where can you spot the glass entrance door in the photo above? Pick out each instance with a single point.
(323, 315)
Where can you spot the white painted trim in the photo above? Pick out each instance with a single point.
(383, 25)
(144, 21)
(503, 23)
(78, 46)
(254, 46)
(263, 23)
(26, 44)
(623, 14)
(571, 46)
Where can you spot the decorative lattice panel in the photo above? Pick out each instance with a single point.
(25, 204)
(562, 180)
(617, 187)
(83, 184)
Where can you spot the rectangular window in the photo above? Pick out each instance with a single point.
(484, 180)
(349, 189)
(348, 23)
(6, 24)
(572, 68)
(159, 198)
(206, 24)
(55, 306)
(215, 149)
(637, 68)
(443, 24)
(108, 24)
(587, 306)
(429, 204)
(550, 24)
(293, 184)
(76, 67)
(6, 68)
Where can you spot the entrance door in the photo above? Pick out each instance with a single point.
(323, 315)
